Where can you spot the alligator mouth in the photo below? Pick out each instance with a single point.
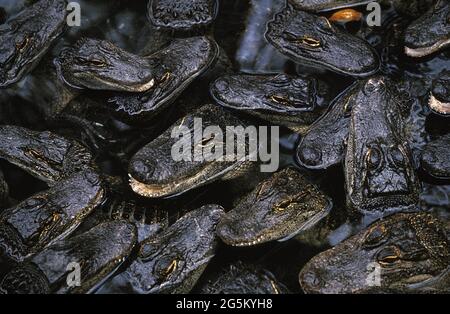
(425, 51)
(439, 106)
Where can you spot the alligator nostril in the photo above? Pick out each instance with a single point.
(221, 85)
(309, 156)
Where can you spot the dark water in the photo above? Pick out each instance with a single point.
(239, 31)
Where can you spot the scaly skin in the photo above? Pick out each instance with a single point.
(99, 252)
(379, 170)
(409, 252)
(174, 68)
(281, 99)
(45, 155)
(239, 278)
(324, 144)
(182, 15)
(26, 37)
(173, 260)
(305, 37)
(154, 172)
(277, 209)
(49, 215)
(430, 33)
(100, 65)
(435, 158)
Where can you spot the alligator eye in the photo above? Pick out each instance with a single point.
(280, 99)
(373, 158)
(282, 206)
(23, 44)
(375, 236)
(397, 156)
(310, 41)
(165, 78)
(388, 256)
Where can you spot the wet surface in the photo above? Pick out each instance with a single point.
(239, 31)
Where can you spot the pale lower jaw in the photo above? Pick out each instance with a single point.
(426, 51)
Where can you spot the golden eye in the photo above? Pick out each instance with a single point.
(172, 267)
(309, 41)
(207, 140)
(165, 78)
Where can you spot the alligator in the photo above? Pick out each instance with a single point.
(435, 159)
(154, 172)
(278, 208)
(241, 278)
(173, 260)
(100, 65)
(439, 101)
(404, 253)
(182, 15)
(379, 170)
(97, 252)
(324, 144)
(430, 33)
(174, 68)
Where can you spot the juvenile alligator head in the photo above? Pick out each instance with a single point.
(405, 253)
(305, 37)
(100, 65)
(98, 252)
(379, 170)
(326, 5)
(174, 68)
(173, 260)
(26, 37)
(154, 172)
(45, 155)
(239, 278)
(4, 191)
(182, 15)
(430, 33)
(48, 216)
(324, 144)
(282, 99)
(440, 95)
(435, 158)
(277, 209)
